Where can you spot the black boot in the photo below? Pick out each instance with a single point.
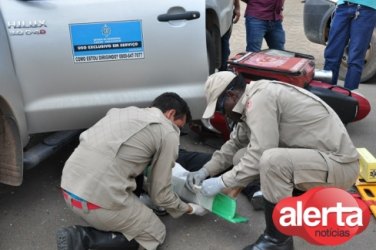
(83, 238)
(271, 239)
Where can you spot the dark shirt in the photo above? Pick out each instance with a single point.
(270, 10)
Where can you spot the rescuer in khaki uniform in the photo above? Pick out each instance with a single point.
(293, 140)
(98, 179)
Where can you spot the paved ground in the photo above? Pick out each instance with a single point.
(30, 214)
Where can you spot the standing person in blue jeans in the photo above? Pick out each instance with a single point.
(263, 19)
(352, 24)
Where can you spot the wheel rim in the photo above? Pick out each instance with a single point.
(345, 56)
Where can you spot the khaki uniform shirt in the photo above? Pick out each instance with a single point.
(119, 147)
(275, 115)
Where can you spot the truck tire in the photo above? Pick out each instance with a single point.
(11, 170)
(210, 47)
(369, 70)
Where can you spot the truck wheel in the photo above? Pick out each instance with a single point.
(369, 70)
(11, 170)
(210, 47)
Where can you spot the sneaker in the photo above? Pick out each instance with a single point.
(145, 199)
(257, 201)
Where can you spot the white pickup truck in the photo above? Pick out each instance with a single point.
(64, 63)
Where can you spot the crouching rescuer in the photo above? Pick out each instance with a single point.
(293, 140)
(99, 178)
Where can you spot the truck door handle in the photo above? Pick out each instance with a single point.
(188, 15)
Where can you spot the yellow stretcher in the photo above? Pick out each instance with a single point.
(368, 194)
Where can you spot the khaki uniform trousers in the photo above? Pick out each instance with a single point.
(283, 169)
(134, 221)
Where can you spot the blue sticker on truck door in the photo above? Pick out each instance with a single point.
(107, 41)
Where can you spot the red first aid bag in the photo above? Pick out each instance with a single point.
(286, 66)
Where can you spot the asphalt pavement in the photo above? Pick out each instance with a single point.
(30, 214)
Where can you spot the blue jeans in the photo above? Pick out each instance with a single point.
(356, 32)
(257, 30)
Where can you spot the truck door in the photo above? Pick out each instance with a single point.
(75, 59)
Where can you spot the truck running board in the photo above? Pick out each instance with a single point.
(47, 147)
